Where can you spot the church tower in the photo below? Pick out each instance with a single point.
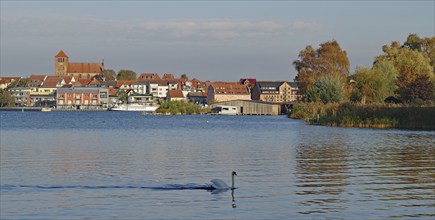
(61, 64)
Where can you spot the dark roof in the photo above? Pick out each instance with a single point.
(267, 85)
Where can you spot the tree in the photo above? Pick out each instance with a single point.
(421, 88)
(328, 59)
(19, 83)
(409, 65)
(6, 100)
(122, 95)
(126, 75)
(374, 85)
(328, 89)
(184, 76)
(424, 45)
(108, 75)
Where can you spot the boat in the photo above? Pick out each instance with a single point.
(45, 109)
(135, 107)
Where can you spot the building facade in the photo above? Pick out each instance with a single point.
(280, 91)
(227, 91)
(82, 98)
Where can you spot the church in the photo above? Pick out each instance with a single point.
(62, 67)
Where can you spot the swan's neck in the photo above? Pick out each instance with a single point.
(232, 181)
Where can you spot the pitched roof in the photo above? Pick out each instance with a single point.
(85, 68)
(175, 94)
(10, 79)
(120, 83)
(168, 76)
(50, 83)
(36, 80)
(61, 54)
(148, 76)
(230, 88)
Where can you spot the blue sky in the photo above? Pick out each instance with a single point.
(209, 40)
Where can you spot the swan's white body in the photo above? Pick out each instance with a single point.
(219, 184)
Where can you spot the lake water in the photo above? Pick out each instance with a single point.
(123, 165)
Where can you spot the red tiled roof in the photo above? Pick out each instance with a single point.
(85, 68)
(230, 88)
(61, 54)
(50, 83)
(168, 76)
(148, 76)
(175, 94)
(10, 79)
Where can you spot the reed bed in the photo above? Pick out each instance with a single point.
(366, 116)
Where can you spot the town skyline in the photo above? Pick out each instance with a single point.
(216, 41)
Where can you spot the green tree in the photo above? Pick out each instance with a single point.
(6, 100)
(328, 59)
(184, 76)
(424, 45)
(374, 85)
(108, 75)
(126, 75)
(329, 88)
(409, 65)
(122, 95)
(19, 83)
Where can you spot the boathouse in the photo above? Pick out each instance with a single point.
(249, 107)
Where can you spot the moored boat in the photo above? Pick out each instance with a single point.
(135, 107)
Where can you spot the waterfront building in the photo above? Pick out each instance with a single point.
(21, 95)
(199, 98)
(175, 95)
(227, 91)
(275, 91)
(82, 98)
(62, 67)
(140, 87)
(246, 107)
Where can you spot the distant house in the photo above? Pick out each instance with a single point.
(140, 87)
(248, 82)
(148, 76)
(275, 91)
(197, 97)
(21, 95)
(79, 70)
(227, 91)
(36, 81)
(82, 98)
(168, 76)
(175, 95)
(6, 81)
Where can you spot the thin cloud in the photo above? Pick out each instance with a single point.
(171, 30)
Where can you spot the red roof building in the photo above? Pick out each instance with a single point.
(79, 70)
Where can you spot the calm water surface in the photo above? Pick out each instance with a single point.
(119, 165)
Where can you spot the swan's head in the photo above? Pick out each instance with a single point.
(234, 173)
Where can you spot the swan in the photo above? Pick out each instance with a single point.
(218, 184)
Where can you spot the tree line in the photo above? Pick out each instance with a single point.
(402, 73)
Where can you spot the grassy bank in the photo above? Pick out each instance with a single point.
(366, 116)
(181, 107)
